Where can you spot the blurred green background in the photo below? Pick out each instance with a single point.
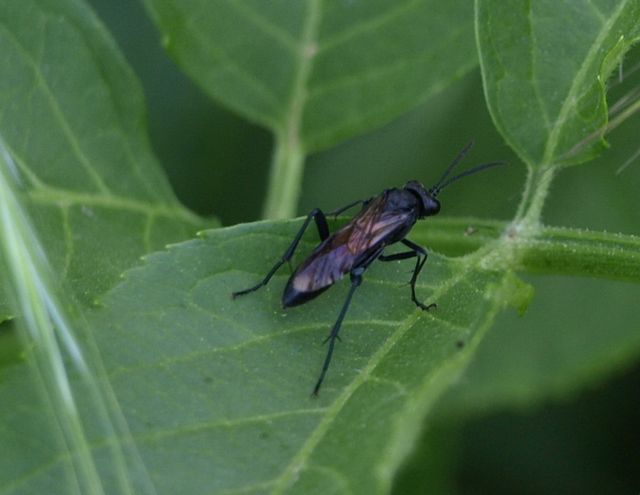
(583, 434)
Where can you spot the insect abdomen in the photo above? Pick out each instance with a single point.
(312, 278)
(293, 297)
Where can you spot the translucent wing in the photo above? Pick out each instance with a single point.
(373, 224)
(365, 234)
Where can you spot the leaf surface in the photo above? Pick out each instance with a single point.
(227, 383)
(558, 345)
(318, 71)
(556, 351)
(545, 65)
(72, 117)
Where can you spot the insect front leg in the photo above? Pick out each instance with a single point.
(323, 231)
(356, 280)
(420, 254)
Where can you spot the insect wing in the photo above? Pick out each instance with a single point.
(375, 225)
(326, 265)
(365, 234)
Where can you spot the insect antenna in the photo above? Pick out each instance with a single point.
(441, 185)
(452, 165)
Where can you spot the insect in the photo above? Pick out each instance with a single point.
(383, 220)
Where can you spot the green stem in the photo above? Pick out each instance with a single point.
(288, 158)
(554, 250)
(285, 179)
(535, 193)
(558, 251)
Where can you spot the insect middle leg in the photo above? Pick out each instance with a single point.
(356, 280)
(323, 231)
(420, 254)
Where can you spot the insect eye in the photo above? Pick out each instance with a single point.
(432, 207)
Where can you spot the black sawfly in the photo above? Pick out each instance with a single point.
(383, 220)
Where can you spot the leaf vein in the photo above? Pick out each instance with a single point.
(535, 82)
(299, 459)
(56, 196)
(369, 25)
(185, 358)
(396, 65)
(267, 27)
(58, 114)
(253, 84)
(572, 95)
(224, 423)
(306, 55)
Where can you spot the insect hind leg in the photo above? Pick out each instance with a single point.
(356, 280)
(420, 254)
(323, 231)
(419, 250)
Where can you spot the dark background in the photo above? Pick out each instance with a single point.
(218, 164)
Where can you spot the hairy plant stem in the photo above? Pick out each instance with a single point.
(285, 179)
(534, 195)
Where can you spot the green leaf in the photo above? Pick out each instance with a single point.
(431, 467)
(573, 336)
(201, 376)
(561, 344)
(210, 385)
(227, 382)
(73, 120)
(545, 65)
(318, 71)
(49, 329)
(9, 347)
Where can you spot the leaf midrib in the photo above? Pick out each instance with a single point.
(304, 453)
(306, 55)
